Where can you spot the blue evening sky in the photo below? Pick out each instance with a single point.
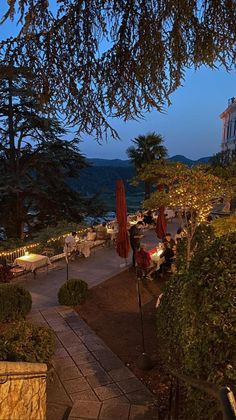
(190, 126)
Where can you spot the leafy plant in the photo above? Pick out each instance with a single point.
(24, 342)
(196, 323)
(224, 225)
(73, 292)
(5, 274)
(15, 302)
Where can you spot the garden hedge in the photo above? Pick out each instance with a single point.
(24, 342)
(73, 292)
(15, 302)
(196, 324)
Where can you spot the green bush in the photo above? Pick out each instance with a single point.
(196, 323)
(224, 225)
(203, 236)
(24, 342)
(15, 302)
(73, 292)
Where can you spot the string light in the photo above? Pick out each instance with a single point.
(35, 245)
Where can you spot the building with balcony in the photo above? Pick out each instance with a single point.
(229, 126)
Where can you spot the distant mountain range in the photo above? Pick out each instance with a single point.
(102, 175)
(125, 163)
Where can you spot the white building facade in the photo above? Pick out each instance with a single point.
(229, 126)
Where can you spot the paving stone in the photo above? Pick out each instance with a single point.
(68, 372)
(77, 348)
(143, 412)
(59, 353)
(63, 362)
(87, 395)
(102, 354)
(76, 385)
(68, 338)
(57, 411)
(120, 399)
(83, 331)
(98, 379)
(112, 410)
(95, 346)
(91, 368)
(112, 362)
(56, 392)
(121, 374)
(142, 396)
(107, 391)
(58, 327)
(59, 345)
(83, 358)
(130, 385)
(84, 410)
(93, 338)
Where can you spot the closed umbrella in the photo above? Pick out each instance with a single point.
(122, 241)
(161, 223)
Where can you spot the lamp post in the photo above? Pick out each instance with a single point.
(67, 262)
(144, 361)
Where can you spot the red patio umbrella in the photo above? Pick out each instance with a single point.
(161, 223)
(122, 241)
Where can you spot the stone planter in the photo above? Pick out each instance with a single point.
(23, 391)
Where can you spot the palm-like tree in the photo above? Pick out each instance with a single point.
(146, 149)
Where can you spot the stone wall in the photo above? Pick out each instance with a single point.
(22, 391)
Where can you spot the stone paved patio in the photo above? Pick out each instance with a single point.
(87, 380)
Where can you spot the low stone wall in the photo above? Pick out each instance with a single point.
(23, 391)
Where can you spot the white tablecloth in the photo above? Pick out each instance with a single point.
(32, 261)
(155, 257)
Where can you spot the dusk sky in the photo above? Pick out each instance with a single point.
(190, 126)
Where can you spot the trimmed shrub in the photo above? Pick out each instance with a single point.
(24, 342)
(224, 225)
(73, 292)
(196, 324)
(15, 302)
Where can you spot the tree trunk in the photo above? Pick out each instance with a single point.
(147, 190)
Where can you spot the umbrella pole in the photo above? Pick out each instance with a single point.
(141, 314)
(67, 263)
(144, 362)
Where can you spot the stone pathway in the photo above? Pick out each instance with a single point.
(88, 381)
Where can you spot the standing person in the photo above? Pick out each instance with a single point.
(135, 236)
(70, 244)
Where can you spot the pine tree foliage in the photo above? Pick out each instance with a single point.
(35, 161)
(102, 58)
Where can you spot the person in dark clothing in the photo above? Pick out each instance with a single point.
(168, 241)
(148, 219)
(135, 236)
(168, 254)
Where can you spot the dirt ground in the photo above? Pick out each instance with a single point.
(112, 312)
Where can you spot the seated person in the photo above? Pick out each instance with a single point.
(168, 241)
(102, 233)
(148, 219)
(168, 254)
(144, 262)
(91, 234)
(139, 217)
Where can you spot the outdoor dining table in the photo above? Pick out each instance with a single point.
(84, 247)
(156, 258)
(32, 262)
